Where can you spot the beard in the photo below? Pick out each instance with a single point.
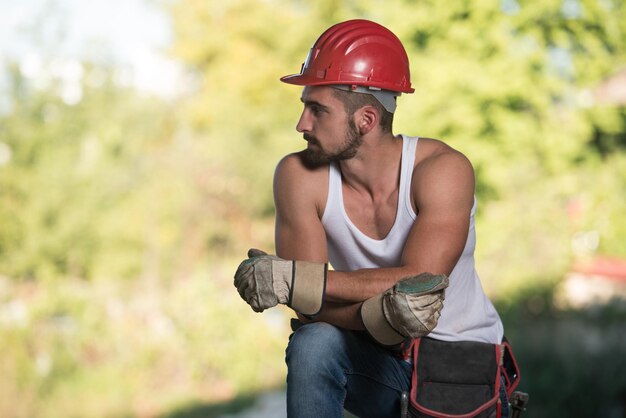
(352, 141)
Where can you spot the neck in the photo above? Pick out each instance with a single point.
(376, 166)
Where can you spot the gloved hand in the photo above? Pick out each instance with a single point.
(264, 281)
(410, 309)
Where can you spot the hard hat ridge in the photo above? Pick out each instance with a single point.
(356, 52)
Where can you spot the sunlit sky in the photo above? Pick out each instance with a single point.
(132, 34)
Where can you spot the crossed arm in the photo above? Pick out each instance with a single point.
(442, 190)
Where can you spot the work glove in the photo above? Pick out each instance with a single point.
(264, 281)
(409, 309)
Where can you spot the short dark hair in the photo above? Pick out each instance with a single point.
(353, 101)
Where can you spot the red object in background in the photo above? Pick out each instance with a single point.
(607, 267)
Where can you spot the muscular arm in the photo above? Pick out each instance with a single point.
(442, 190)
(300, 235)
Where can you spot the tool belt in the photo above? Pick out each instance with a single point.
(458, 379)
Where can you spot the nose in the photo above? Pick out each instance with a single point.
(304, 124)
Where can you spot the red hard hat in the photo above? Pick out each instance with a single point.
(357, 52)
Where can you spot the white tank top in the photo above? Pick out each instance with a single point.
(467, 314)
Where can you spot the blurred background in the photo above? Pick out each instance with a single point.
(138, 140)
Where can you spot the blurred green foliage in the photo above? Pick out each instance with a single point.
(112, 348)
(570, 359)
(74, 169)
(122, 216)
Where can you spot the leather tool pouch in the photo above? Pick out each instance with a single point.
(458, 379)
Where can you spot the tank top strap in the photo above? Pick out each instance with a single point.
(409, 145)
(333, 203)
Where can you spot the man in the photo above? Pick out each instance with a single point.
(393, 214)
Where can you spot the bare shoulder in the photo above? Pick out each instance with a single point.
(293, 169)
(439, 168)
(296, 162)
(297, 183)
(433, 154)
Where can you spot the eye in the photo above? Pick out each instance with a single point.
(316, 110)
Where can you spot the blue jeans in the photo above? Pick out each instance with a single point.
(330, 369)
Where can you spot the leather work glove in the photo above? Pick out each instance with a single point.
(409, 309)
(264, 281)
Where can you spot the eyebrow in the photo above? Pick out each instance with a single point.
(310, 103)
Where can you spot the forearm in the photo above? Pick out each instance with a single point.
(342, 315)
(359, 285)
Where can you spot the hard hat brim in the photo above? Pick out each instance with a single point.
(307, 80)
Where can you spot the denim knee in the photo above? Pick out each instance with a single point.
(316, 347)
(316, 363)
(315, 340)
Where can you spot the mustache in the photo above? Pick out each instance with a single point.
(310, 138)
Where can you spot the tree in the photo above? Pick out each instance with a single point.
(74, 176)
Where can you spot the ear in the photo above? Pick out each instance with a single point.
(366, 119)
